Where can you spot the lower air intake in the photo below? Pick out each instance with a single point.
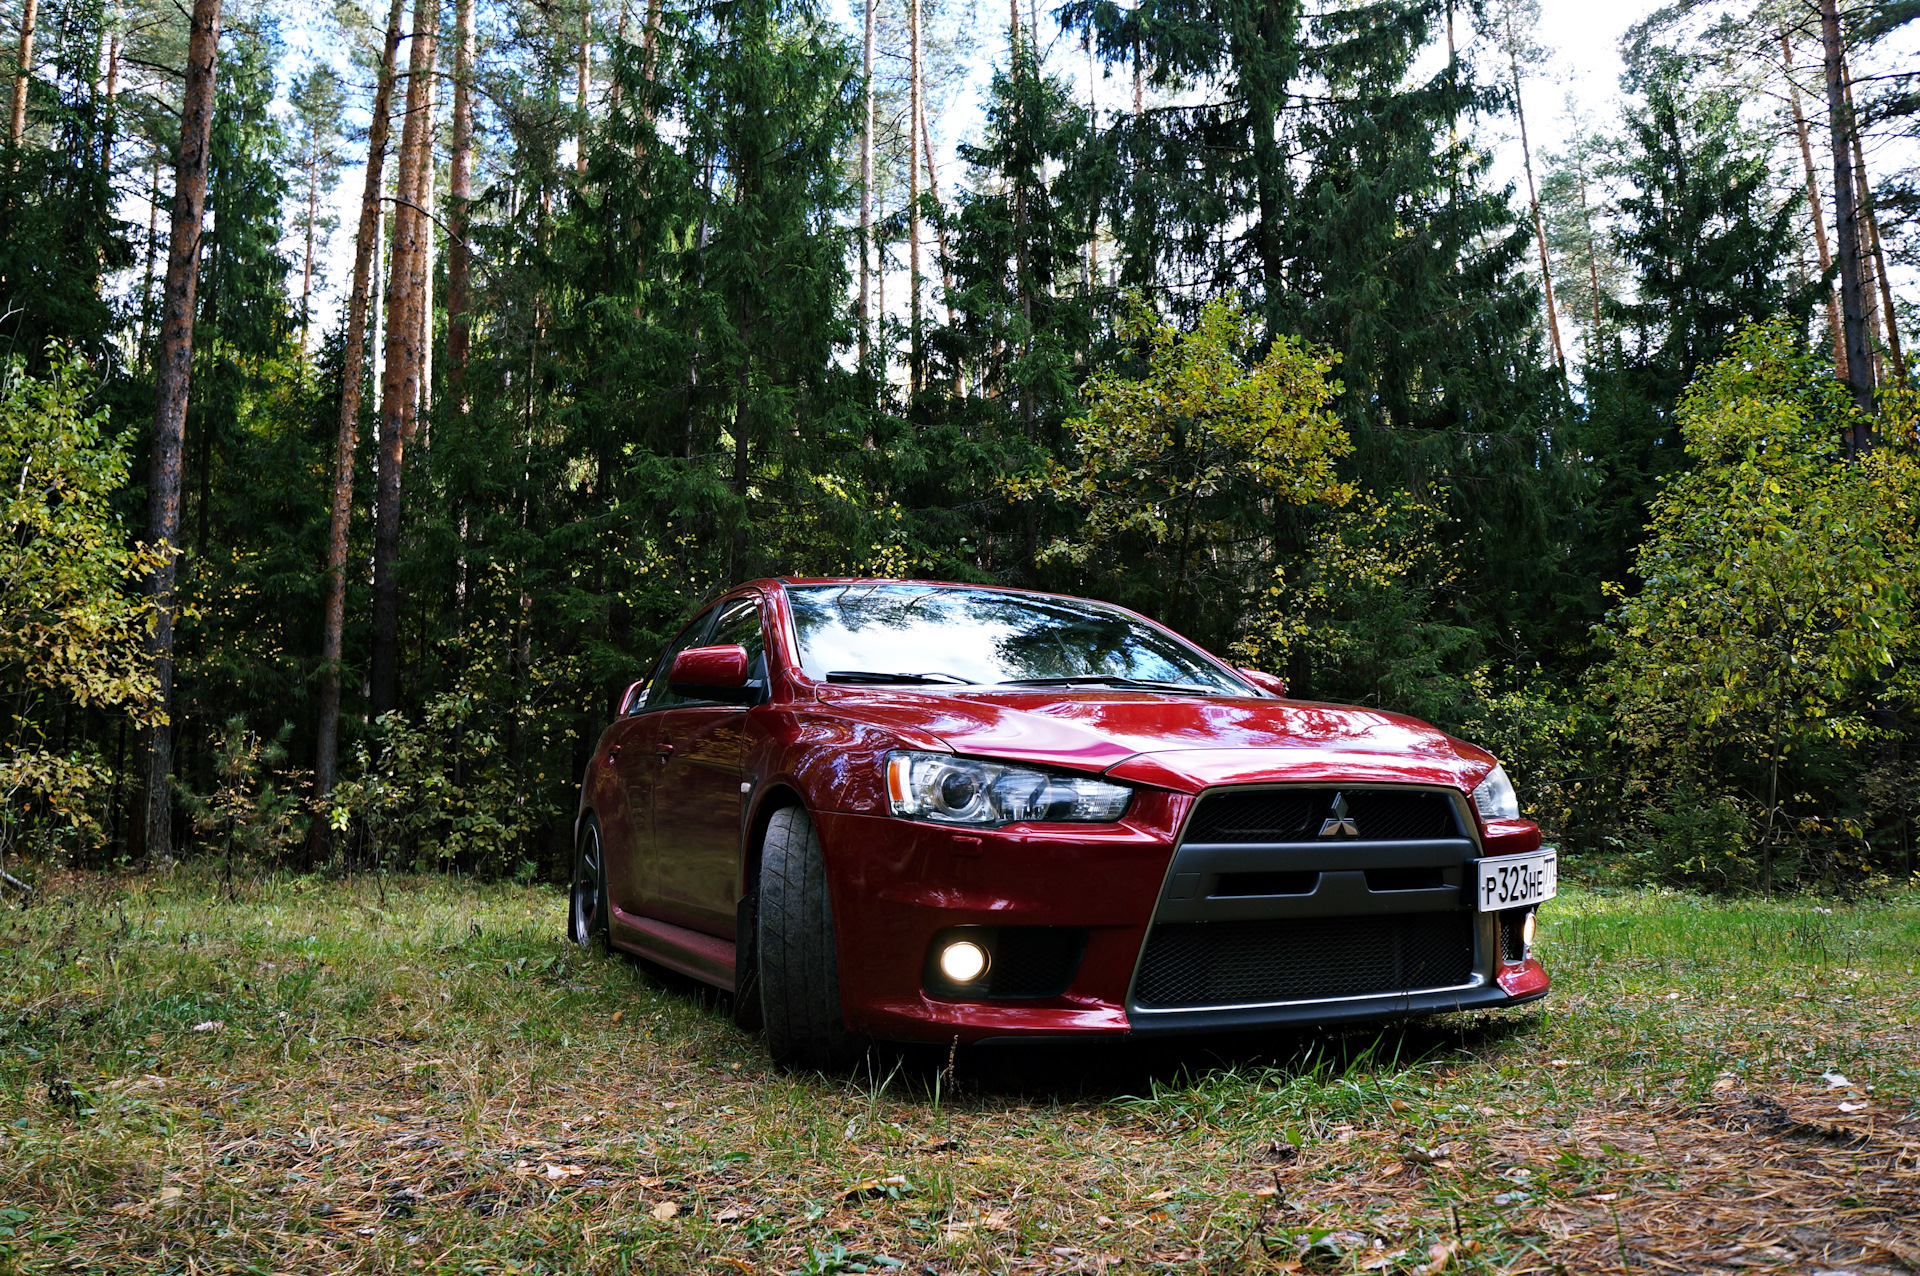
(1198, 964)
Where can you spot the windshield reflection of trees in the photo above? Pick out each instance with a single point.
(1028, 637)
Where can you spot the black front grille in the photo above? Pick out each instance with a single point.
(1513, 934)
(1198, 964)
(1296, 815)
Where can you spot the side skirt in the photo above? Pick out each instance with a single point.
(707, 958)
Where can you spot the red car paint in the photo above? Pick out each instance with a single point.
(683, 795)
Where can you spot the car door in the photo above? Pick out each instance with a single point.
(635, 760)
(697, 797)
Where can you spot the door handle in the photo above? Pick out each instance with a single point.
(612, 753)
(665, 750)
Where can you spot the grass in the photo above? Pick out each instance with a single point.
(308, 1076)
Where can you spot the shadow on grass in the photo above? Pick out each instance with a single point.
(1108, 1068)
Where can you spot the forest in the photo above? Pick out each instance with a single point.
(333, 540)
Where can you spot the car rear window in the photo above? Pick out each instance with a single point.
(955, 635)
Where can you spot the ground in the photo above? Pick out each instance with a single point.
(299, 1075)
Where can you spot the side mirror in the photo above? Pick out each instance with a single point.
(1265, 681)
(713, 673)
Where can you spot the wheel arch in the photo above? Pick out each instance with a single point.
(769, 800)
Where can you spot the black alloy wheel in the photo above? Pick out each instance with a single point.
(587, 908)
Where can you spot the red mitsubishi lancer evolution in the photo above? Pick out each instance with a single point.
(922, 811)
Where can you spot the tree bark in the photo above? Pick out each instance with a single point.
(1886, 316)
(1814, 205)
(173, 367)
(459, 202)
(400, 380)
(939, 227)
(423, 264)
(353, 373)
(583, 85)
(866, 200)
(24, 74)
(917, 373)
(1853, 312)
(1533, 197)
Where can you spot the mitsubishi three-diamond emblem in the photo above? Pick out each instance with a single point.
(1339, 823)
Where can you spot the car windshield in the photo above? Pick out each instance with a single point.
(946, 636)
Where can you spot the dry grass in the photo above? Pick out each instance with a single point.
(316, 1077)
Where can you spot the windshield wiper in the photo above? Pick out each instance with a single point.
(869, 676)
(1110, 680)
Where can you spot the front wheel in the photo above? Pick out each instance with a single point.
(587, 907)
(799, 975)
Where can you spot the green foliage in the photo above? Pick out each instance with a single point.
(256, 812)
(1183, 466)
(72, 630)
(453, 791)
(1778, 580)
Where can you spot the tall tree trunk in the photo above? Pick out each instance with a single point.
(423, 264)
(353, 373)
(866, 199)
(1846, 227)
(459, 202)
(24, 74)
(400, 381)
(113, 100)
(1815, 207)
(1885, 314)
(306, 256)
(917, 373)
(153, 250)
(939, 227)
(1895, 354)
(173, 368)
(1533, 197)
(583, 86)
(1593, 255)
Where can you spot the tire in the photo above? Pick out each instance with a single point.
(799, 975)
(587, 900)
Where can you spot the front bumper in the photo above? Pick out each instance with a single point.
(896, 884)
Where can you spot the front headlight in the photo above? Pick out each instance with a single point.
(1495, 797)
(950, 790)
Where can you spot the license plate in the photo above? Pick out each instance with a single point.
(1515, 881)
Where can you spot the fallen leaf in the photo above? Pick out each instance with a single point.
(1399, 1105)
(727, 1215)
(1854, 1107)
(1162, 1195)
(1267, 1189)
(1392, 1170)
(210, 1025)
(1607, 1196)
(649, 1180)
(1438, 1256)
(665, 1210)
(1835, 1080)
(1559, 1063)
(618, 1015)
(997, 1221)
(1379, 1261)
(940, 1145)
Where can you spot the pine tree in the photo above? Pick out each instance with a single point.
(1707, 250)
(318, 101)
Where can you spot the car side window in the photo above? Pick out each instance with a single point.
(739, 625)
(659, 695)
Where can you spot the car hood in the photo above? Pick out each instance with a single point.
(1180, 742)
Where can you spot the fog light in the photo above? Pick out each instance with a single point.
(963, 961)
(1526, 932)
